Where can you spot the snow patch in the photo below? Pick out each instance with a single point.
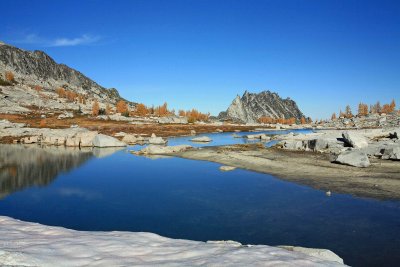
(32, 244)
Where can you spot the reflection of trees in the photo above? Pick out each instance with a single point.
(24, 166)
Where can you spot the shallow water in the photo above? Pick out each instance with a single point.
(179, 198)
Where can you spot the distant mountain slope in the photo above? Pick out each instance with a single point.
(250, 107)
(37, 68)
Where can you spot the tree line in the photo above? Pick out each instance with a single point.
(364, 109)
(270, 120)
(141, 110)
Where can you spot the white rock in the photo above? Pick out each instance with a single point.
(258, 136)
(30, 140)
(102, 140)
(65, 115)
(353, 158)
(129, 139)
(154, 140)
(86, 138)
(392, 153)
(159, 150)
(203, 139)
(227, 168)
(355, 140)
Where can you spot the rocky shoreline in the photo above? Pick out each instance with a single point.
(362, 163)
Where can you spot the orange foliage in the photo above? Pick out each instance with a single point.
(70, 95)
(269, 120)
(303, 120)
(162, 110)
(60, 91)
(194, 115)
(333, 117)
(42, 123)
(362, 109)
(182, 113)
(9, 76)
(38, 88)
(122, 107)
(95, 108)
(141, 110)
(386, 108)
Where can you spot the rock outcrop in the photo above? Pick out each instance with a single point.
(250, 107)
(201, 139)
(353, 158)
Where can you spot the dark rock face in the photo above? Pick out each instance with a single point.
(36, 67)
(250, 107)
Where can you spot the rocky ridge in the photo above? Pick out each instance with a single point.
(36, 68)
(251, 106)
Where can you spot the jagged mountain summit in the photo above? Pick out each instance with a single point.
(38, 68)
(251, 106)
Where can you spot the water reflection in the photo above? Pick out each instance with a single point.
(25, 166)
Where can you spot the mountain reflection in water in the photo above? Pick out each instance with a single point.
(32, 165)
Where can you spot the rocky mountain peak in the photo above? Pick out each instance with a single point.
(38, 68)
(251, 106)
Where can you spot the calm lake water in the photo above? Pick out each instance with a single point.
(108, 190)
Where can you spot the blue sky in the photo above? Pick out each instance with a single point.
(323, 54)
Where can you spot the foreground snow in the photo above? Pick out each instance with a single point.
(31, 244)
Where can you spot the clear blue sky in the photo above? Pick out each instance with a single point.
(323, 54)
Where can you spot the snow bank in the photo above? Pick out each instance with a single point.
(31, 244)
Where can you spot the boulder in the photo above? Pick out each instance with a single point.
(102, 140)
(219, 131)
(392, 153)
(65, 115)
(355, 140)
(72, 142)
(30, 140)
(157, 150)
(154, 140)
(353, 158)
(86, 139)
(203, 139)
(53, 140)
(130, 139)
(192, 132)
(227, 168)
(293, 145)
(258, 136)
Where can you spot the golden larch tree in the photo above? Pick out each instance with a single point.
(121, 107)
(95, 108)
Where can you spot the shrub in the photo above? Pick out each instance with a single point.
(42, 124)
(38, 88)
(10, 76)
(5, 83)
(95, 108)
